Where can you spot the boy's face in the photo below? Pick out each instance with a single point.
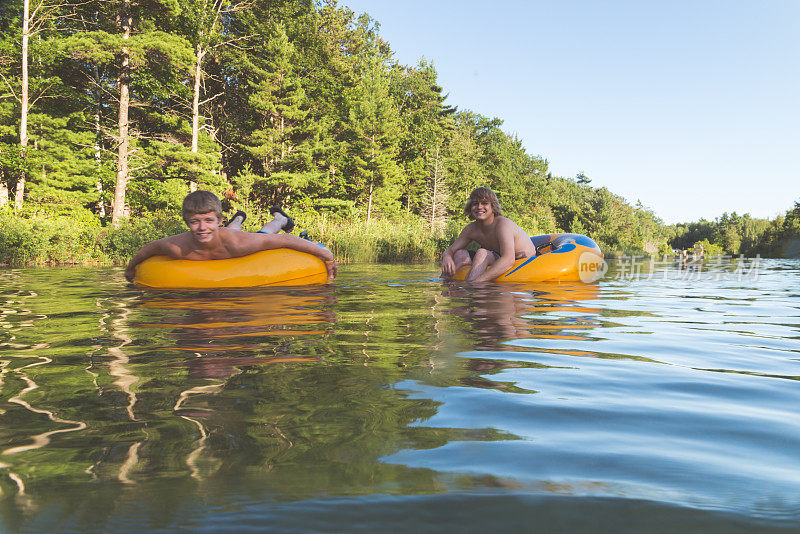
(203, 226)
(481, 209)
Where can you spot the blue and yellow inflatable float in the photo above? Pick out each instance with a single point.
(277, 267)
(559, 257)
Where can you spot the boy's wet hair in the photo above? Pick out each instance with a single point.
(479, 194)
(201, 202)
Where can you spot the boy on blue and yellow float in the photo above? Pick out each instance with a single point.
(502, 242)
(208, 240)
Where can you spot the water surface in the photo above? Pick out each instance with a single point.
(656, 400)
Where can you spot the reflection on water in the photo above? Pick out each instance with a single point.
(128, 409)
(525, 310)
(213, 326)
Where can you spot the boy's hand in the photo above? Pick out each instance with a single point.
(448, 267)
(333, 268)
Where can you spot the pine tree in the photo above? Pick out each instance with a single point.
(10, 59)
(372, 128)
(203, 22)
(284, 141)
(151, 66)
(425, 123)
(464, 156)
(37, 16)
(58, 180)
(123, 84)
(330, 45)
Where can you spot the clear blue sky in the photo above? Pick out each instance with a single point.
(691, 106)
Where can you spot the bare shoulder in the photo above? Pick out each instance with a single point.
(470, 229)
(512, 224)
(233, 241)
(508, 229)
(227, 235)
(504, 224)
(174, 245)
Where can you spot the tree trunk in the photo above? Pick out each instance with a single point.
(198, 72)
(435, 187)
(369, 205)
(98, 135)
(118, 208)
(23, 123)
(372, 179)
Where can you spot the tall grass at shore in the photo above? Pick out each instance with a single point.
(403, 240)
(379, 241)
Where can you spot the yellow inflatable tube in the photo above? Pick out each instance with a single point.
(560, 257)
(277, 267)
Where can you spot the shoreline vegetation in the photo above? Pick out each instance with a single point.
(64, 241)
(110, 112)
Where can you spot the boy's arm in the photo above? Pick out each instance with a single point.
(153, 248)
(249, 243)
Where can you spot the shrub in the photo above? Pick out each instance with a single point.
(68, 240)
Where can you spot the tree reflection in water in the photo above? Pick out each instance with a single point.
(290, 392)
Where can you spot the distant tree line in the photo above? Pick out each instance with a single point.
(113, 108)
(735, 235)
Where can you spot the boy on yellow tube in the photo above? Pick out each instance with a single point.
(502, 241)
(207, 240)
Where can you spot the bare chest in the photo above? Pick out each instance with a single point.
(190, 251)
(487, 238)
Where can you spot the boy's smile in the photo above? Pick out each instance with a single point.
(481, 210)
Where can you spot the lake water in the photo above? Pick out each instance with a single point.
(657, 400)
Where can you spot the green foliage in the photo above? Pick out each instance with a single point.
(51, 240)
(78, 238)
(121, 243)
(405, 240)
(371, 131)
(734, 234)
(709, 249)
(781, 238)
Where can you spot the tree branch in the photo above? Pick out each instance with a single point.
(11, 88)
(41, 95)
(207, 100)
(229, 42)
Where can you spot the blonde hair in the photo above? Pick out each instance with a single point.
(201, 202)
(482, 194)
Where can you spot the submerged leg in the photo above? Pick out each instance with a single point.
(461, 258)
(483, 258)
